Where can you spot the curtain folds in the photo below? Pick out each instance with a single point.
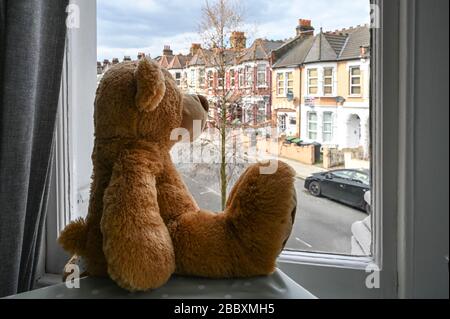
(32, 39)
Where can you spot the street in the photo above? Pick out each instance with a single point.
(321, 225)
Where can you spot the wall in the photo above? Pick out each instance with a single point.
(430, 138)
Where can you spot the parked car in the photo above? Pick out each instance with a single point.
(347, 186)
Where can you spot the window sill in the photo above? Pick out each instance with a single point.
(325, 260)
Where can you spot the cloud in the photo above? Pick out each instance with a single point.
(127, 27)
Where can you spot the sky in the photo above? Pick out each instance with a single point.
(126, 27)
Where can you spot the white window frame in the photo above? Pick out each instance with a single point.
(308, 124)
(332, 81)
(351, 77)
(249, 76)
(261, 74)
(331, 122)
(282, 81)
(325, 275)
(308, 80)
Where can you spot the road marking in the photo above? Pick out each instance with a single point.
(303, 242)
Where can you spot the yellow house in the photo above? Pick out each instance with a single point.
(330, 93)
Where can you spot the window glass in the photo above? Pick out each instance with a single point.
(312, 81)
(280, 83)
(312, 125)
(327, 126)
(261, 74)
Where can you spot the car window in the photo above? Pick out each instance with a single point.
(342, 174)
(363, 178)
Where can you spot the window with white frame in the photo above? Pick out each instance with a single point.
(313, 82)
(282, 122)
(210, 79)
(312, 126)
(327, 126)
(178, 78)
(201, 78)
(248, 76)
(289, 82)
(192, 78)
(241, 78)
(328, 74)
(261, 75)
(355, 80)
(280, 84)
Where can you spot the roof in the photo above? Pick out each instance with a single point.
(293, 52)
(326, 46)
(261, 49)
(207, 57)
(179, 61)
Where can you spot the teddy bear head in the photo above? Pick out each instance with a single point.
(139, 100)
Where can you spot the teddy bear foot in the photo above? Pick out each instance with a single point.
(262, 209)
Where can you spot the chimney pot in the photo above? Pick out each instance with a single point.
(304, 28)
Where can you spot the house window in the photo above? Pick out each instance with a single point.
(312, 81)
(280, 84)
(328, 81)
(261, 75)
(192, 78)
(210, 79)
(241, 78)
(232, 79)
(292, 120)
(248, 76)
(201, 78)
(312, 125)
(355, 80)
(289, 82)
(178, 78)
(327, 126)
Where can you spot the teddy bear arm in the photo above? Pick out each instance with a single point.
(136, 242)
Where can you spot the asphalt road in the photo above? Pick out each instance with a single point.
(321, 225)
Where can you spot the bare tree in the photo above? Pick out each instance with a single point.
(219, 19)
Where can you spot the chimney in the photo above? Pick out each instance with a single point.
(304, 28)
(238, 40)
(141, 55)
(115, 61)
(194, 48)
(127, 58)
(99, 67)
(105, 62)
(167, 50)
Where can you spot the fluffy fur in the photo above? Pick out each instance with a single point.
(143, 225)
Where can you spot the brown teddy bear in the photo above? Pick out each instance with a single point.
(143, 225)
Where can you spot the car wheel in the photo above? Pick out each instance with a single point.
(314, 188)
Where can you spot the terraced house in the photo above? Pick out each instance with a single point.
(247, 81)
(321, 86)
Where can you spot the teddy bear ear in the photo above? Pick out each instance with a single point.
(150, 84)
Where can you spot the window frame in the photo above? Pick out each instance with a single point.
(308, 81)
(232, 75)
(308, 124)
(261, 73)
(331, 122)
(326, 275)
(351, 77)
(281, 81)
(331, 85)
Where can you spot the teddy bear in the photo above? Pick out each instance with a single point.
(143, 225)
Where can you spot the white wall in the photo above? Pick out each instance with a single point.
(430, 235)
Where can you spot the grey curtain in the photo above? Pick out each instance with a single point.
(32, 39)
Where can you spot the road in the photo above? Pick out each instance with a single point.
(321, 225)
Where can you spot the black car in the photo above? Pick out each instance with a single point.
(344, 185)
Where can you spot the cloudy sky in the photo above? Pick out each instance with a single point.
(126, 27)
